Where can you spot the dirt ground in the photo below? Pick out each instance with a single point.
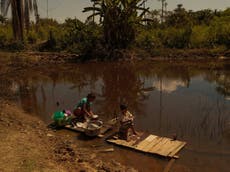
(28, 145)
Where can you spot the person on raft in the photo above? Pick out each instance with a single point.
(126, 122)
(83, 111)
(62, 118)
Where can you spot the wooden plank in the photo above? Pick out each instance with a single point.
(157, 146)
(130, 143)
(167, 147)
(153, 144)
(177, 149)
(106, 150)
(175, 157)
(117, 141)
(122, 142)
(147, 147)
(150, 138)
(142, 136)
(174, 146)
(145, 142)
(173, 153)
(78, 129)
(111, 140)
(148, 141)
(162, 149)
(156, 141)
(170, 147)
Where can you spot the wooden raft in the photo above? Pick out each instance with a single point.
(152, 144)
(75, 128)
(104, 129)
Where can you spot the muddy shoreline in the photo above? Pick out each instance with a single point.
(27, 141)
(12, 62)
(190, 55)
(31, 146)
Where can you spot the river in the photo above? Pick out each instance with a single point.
(166, 99)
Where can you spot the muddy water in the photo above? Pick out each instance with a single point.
(166, 99)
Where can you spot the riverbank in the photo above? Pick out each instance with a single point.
(36, 57)
(191, 53)
(29, 145)
(26, 141)
(205, 59)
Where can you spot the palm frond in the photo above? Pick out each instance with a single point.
(93, 15)
(88, 9)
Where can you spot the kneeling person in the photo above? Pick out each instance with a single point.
(83, 109)
(126, 122)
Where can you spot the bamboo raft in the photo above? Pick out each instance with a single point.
(152, 144)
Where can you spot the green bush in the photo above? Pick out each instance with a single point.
(148, 39)
(5, 36)
(223, 34)
(78, 37)
(32, 37)
(176, 37)
(200, 37)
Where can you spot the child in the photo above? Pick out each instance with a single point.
(83, 109)
(126, 122)
(62, 118)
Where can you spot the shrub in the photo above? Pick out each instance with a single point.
(5, 36)
(148, 39)
(200, 37)
(176, 37)
(32, 37)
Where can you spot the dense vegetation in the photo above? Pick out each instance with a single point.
(20, 12)
(123, 25)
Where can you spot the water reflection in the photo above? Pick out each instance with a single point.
(169, 85)
(165, 99)
(223, 82)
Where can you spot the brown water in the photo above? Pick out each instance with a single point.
(165, 98)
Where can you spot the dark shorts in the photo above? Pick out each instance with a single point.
(125, 126)
(79, 115)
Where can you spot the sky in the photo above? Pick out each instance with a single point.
(62, 9)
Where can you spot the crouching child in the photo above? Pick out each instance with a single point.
(62, 118)
(126, 122)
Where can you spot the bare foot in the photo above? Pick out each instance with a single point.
(136, 136)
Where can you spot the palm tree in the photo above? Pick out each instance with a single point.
(165, 5)
(162, 9)
(144, 6)
(118, 18)
(20, 11)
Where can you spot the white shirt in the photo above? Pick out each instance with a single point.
(127, 117)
